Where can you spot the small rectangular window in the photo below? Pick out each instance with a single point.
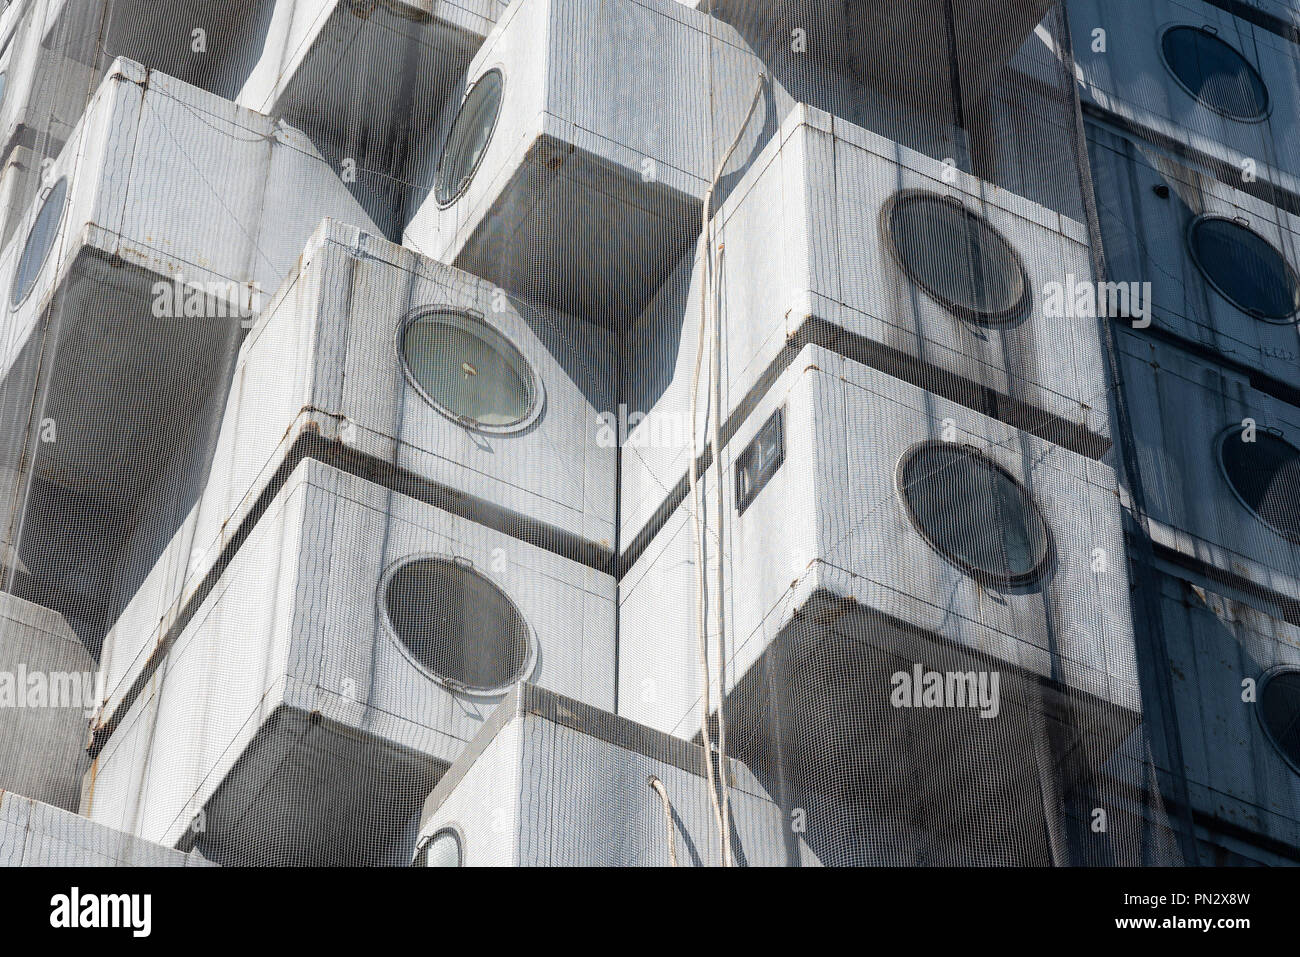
(760, 460)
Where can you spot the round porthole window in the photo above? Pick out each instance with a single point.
(1245, 269)
(40, 241)
(441, 850)
(957, 258)
(469, 371)
(974, 513)
(1214, 73)
(458, 626)
(1264, 472)
(1279, 711)
(468, 140)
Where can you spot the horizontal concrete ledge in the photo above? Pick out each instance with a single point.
(311, 444)
(1214, 823)
(1259, 381)
(1222, 170)
(1179, 565)
(527, 699)
(1260, 18)
(815, 331)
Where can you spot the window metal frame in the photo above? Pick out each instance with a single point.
(421, 858)
(16, 301)
(461, 187)
(1221, 442)
(451, 684)
(1033, 578)
(1197, 222)
(1010, 316)
(1214, 35)
(746, 493)
(1293, 762)
(473, 322)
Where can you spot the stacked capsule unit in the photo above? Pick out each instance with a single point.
(303, 505)
(889, 511)
(590, 432)
(1191, 130)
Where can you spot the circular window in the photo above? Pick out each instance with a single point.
(468, 139)
(958, 258)
(974, 513)
(1279, 711)
(1215, 73)
(1264, 473)
(469, 371)
(441, 850)
(40, 241)
(457, 625)
(1245, 268)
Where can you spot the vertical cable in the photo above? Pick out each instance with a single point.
(658, 787)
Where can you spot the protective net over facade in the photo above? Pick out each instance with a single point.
(760, 432)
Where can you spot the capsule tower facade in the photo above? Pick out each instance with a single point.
(643, 432)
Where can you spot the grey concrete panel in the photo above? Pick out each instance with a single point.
(804, 243)
(1130, 78)
(181, 218)
(1235, 774)
(1182, 407)
(1148, 204)
(47, 696)
(366, 85)
(589, 190)
(831, 521)
(322, 362)
(33, 834)
(551, 783)
(46, 87)
(292, 658)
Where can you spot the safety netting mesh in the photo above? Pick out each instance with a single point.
(640, 433)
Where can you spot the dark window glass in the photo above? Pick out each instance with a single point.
(457, 624)
(975, 514)
(40, 241)
(1245, 269)
(468, 139)
(1280, 711)
(1265, 474)
(958, 258)
(760, 460)
(1213, 72)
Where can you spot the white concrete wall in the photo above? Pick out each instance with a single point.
(831, 519)
(33, 834)
(590, 187)
(547, 794)
(298, 622)
(324, 357)
(42, 740)
(803, 237)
